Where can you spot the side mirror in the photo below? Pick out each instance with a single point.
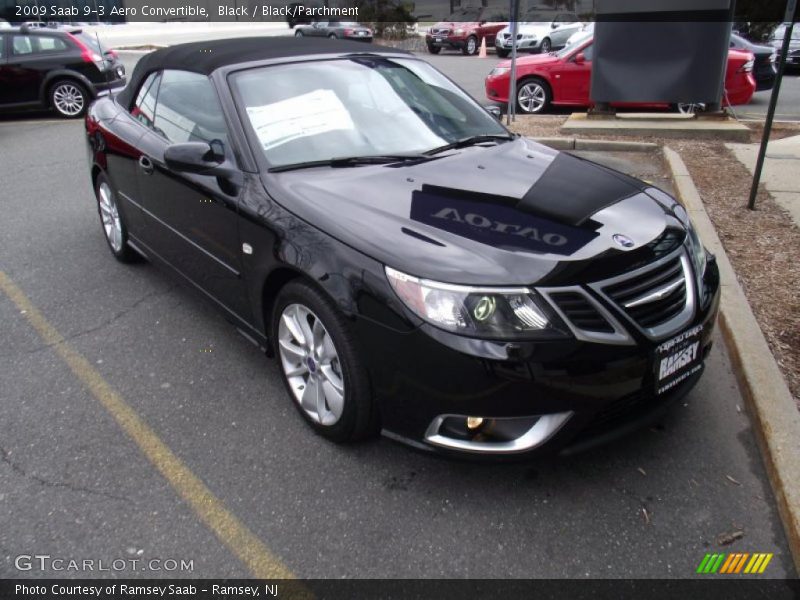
(554, 26)
(196, 157)
(494, 111)
(580, 58)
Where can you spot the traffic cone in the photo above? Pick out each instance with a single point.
(482, 52)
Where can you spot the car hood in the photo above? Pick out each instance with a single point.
(516, 213)
(455, 25)
(532, 60)
(529, 29)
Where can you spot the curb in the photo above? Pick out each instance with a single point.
(769, 402)
(571, 143)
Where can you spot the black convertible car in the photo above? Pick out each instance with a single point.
(414, 267)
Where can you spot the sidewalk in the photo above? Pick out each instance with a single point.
(781, 173)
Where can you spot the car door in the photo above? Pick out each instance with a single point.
(191, 219)
(574, 77)
(5, 83)
(319, 29)
(24, 72)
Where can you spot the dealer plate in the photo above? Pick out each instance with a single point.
(677, 359)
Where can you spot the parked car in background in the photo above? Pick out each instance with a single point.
(588, 28)
(540, 32)
(61, 68)
(564, 78)
(776, 41)
(463, 30)
(343, 30)
(4, 24)
(415, 268)
(764, 70)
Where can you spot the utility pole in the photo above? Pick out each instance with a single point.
(791, 9)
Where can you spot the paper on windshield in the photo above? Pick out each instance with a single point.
(310, 114)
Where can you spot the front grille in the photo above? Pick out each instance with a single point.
(440, 31)
(654, 297)
(581, 312)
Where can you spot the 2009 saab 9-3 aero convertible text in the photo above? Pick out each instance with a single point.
(414, 266)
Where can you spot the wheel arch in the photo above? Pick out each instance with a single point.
(61, 74)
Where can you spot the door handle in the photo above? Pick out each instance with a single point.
(146, 165)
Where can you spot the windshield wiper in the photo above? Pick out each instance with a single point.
(471, 141)
(351, 161)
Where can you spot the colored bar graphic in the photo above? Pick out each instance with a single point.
(734, 563)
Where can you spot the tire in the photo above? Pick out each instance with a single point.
(434, 49)
(333, 36)
(302, 311)
(298, 33)
(690, 108)
(69, 98)
(539, 93)
(471, 46)
(545, 46)
(112, 221)
(502, 53)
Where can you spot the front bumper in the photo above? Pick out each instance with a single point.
(523, 45)
(447, 41)
(591, 392)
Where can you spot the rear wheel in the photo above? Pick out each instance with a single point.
(690, 108)
(69, 98)
(321, 367)
(546, 46)
(533, 96)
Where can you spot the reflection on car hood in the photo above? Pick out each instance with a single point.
(529, 28)
(531, 60)
(497, 215)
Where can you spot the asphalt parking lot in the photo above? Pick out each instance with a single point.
(139, 424)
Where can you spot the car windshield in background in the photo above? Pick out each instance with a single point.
(91, 42)
(361, 106)
(575, 43)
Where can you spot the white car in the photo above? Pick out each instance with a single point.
(540, 32)
(588, 28)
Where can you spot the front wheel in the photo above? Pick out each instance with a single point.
(471, 46)
(69, 98)
(332, 36)
(298, 33)
(113, 222)
(533, 96)
(690, 108)
(321, 366)
(434, 49)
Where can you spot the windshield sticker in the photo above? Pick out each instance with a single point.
(310, 114)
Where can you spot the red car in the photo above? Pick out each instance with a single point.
(463, 34)
(563, 79)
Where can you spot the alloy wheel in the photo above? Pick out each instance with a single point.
(68, 99)
(691, 108)
(112, 225)
(532, 97)
(546, 45)
(472, 46)
(311, 364)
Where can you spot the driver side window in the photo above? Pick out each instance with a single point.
(588, 52)
(188, 109)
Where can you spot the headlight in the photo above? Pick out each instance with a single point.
(696, 248)
(699, 256)
(477, 311)
(497, 71)
(459, 32)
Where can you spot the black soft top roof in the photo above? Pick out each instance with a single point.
(207, 57)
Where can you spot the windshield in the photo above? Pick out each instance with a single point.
(361, 106)
(579, 39)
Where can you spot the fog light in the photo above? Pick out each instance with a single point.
(474, 422)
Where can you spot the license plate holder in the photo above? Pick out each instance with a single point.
(677, 359)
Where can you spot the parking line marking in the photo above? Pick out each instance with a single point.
(225, 525)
